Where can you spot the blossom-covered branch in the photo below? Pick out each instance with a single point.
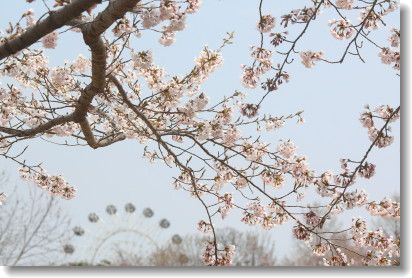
(120, 93)
(55, 20)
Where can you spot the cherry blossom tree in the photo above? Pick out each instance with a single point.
(119, 93)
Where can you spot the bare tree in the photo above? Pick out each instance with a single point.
(252, 249)
(33, 229)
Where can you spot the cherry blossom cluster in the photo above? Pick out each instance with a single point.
(391, 55)
(385, 208)
(204, 227)
(310, 58)
(55, 185)
(50, 40)
(266, 23)
(268, 217)
(251, 75)
(344, 4)
(227, 204)
(341, 29)
(2, 198)
(380, 247)
(380, 137)
(224, 256)
(339, 259)
(168, 11)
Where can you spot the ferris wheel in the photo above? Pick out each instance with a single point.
(125, 231)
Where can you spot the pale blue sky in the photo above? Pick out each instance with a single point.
(332, 97)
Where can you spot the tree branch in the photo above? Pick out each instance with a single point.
(91, 141)
(91, 36)
(54, 21)
(39, 129)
